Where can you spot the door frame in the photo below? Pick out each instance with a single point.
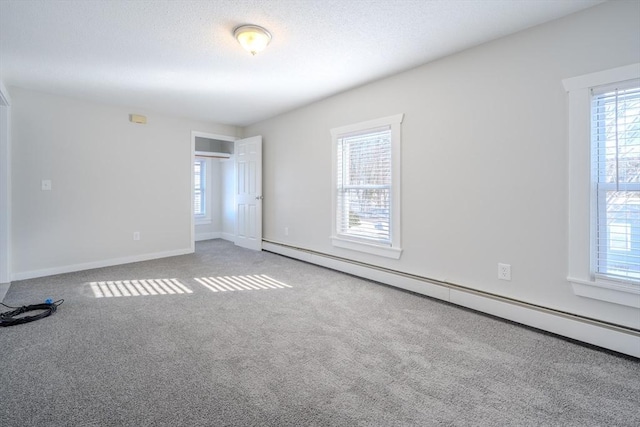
(5, 190)
(192, 158)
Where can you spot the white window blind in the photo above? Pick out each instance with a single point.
(199, 171)
(364, 185)
(615, 135)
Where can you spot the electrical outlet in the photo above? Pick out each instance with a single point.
(286, 231)
(136, 235)
(504, 271)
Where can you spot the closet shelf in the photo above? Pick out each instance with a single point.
(212, 154)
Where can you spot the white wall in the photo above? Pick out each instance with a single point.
(110, 178)
(484, 164)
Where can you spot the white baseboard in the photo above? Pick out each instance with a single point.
(587, 332)
(208, 236)
(591, 332)
(97, 264)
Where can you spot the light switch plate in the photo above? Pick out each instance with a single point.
(46, 185)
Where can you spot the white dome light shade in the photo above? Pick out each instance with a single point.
(252, 37)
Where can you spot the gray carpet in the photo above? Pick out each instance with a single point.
(332, 350)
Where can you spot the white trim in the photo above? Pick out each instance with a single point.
(581, 203)
(5, 185)
(395, 250)
(192, 222)
(566, 326)
(396, 119)
(208, 236)
(98, 264)
(617, 293)
(199, 134)
(373, 249)
(582, 331)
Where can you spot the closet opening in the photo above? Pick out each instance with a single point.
(213, 186)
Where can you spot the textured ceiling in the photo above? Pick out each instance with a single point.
(180, 57)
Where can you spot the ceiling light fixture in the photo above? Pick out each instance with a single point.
(252, 37)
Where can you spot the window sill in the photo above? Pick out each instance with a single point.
(383, 251)
(616, 293)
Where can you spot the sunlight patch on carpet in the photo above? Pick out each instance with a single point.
(255, 282)
(135, 288)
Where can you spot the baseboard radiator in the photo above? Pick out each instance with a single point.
(591, 331)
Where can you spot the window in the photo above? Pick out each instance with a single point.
(366, 190)
(200, 210)
(615, 148)
(604, 185)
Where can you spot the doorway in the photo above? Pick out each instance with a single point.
(227, 189)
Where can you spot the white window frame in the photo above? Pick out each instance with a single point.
(206, 193)
(581, 204)
(371, 247)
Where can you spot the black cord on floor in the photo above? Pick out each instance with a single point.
(9, 318)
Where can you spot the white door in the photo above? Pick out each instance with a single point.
(248, 154)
